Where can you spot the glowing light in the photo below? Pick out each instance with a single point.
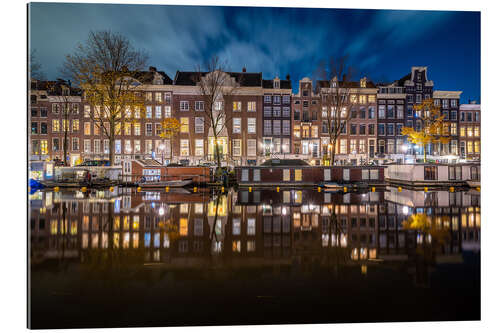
(405, 210)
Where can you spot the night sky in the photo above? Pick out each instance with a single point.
(382, 44)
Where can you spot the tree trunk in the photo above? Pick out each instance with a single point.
(332, 152)
(65, 147)
(112, 147)
(425, 155)
(217, 152)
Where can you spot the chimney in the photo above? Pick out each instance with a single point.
(343, 78)
(152, 69)
(244, 70)
(288, 77)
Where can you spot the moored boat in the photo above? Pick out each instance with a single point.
(169, 183)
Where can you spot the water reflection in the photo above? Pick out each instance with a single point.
(302, 228)
(262, 252)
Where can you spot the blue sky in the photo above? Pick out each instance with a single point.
(382, 44)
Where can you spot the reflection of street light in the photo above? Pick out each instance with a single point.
(161, 211)
(405, 210)
(404, 148)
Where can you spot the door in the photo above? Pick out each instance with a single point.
(372, 149)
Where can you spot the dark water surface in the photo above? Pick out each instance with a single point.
(122, 258)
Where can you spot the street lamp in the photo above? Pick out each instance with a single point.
(405, 149)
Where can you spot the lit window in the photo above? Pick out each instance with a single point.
(44, 147)
(252, 125)
(251, 147)
(184, 125)
(184, 147)
(251, 106)
(236, 106)
(236, 125)
(158, 111)
(56, 124)
(298, 175)
(198, 147)
(236, 147)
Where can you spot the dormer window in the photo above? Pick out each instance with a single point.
(158, 81)
(276, 84)
(419, 76)
(334, 84)
(362, 83)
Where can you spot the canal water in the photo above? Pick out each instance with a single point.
(127, 258)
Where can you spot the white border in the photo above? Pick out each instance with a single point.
(14, 136)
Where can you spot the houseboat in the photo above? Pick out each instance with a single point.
(299, 173)
(84, 176)
(434, 174)
(152, 173)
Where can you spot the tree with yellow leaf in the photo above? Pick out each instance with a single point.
(422, 223)
(432, 126)
(108, 68)
(170, 127)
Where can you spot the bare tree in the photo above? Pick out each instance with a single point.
(35, 68)
(108, 68)
(334, 87)
(217, 89)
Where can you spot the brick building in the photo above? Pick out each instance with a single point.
(449, 102)
(307, 123)
(470, 131)
(48, 117)
(276, 121)
(263, 120)
(390, 121)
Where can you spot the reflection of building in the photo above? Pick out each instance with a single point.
(252, 228)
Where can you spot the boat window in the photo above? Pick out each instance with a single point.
(430, 172)
(256, 175)
(286, 175)
(244, 175)
(327, 174)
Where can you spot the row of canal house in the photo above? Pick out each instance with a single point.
(261, 226)
(265, 119)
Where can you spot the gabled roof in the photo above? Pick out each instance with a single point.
(243, 78)
(401, 81)
(147, 77)
(54, 88)
(284, 84)
(346, 84)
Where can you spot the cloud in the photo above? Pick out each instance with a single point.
(274, 41)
